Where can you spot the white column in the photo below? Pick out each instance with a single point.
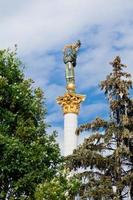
(70, 138)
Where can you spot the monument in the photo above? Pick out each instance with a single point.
(70, 101)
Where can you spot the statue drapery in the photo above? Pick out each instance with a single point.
(70, 56)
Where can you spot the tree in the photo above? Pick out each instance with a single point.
(107, 159)
(28, 155)
(62, 187)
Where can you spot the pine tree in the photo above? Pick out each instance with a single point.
(28, 155)
(106, 160)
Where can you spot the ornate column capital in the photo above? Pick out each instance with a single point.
(70, 102)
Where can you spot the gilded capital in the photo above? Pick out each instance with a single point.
(70, 102)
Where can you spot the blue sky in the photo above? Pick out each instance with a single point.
(41, 28)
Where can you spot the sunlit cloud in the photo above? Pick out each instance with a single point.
(41, 29)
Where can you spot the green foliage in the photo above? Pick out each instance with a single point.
(107, 159)
(62, 187)
(28, 155)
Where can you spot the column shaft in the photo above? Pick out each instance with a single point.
(70, 138)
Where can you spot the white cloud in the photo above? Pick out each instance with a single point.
(52, 91)
(92, 110)
(54, 117)
(44, 24)
(41, 29)
(40, 67)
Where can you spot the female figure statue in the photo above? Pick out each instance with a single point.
(70, 55)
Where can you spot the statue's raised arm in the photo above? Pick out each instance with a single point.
(69, 58)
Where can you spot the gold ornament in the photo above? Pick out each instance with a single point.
(70, 102)
(70, 87)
